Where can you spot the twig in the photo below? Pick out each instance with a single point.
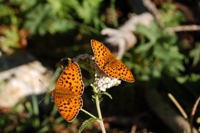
(178, 105)
(184, 28)
(193, 113)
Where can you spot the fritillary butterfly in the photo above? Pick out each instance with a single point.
(68, 91)
(108, 63)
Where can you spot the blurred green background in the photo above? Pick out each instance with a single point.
(162, 61)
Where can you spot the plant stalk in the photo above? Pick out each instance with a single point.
(85, 111)
(99, 114)
(99, 110)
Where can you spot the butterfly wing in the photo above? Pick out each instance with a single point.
(68, 107)
(70, 80)
(102, 54)
(118, 70)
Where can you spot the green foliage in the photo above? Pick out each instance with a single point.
(13, 122)
(7, 15)
(42, 22)
(190, 77)
(46, 17)
(52, 16)
(25, 118)
(169, 15)
(157, 54)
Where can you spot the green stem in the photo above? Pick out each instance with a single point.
(99, 114)
(85, 111)
(99, 111)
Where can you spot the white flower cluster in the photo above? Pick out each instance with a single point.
(103, 82)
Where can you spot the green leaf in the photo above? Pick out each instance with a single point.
(144, 47)
(88, 9)
(35, 105)
(35, 122)
(191, 78)
(54, 111)
(43, 129)
(19, 106)
(182, 79)
(195, 77)
(29, 108)
(11, 37)
(59, 119)
(61, 25)
(86, 123)
(150, 33)
(45, 121)
(195, 54)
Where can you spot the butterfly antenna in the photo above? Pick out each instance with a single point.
(41, 100)
(42, 83)
(45, 87)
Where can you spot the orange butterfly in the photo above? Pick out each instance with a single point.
(108, 63)
(68, 91)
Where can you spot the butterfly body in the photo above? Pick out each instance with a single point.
(63, 94)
